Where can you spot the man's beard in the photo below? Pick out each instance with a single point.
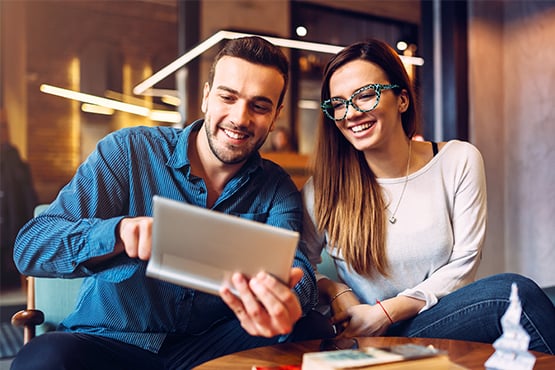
(229, 155)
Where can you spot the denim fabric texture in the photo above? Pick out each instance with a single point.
(474, 313)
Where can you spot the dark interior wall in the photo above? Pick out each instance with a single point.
(91, 46)
(448, 19)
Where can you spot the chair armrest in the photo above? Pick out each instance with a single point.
(29, 319)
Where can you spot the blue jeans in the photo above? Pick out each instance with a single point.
(474, 312)
(65, 351)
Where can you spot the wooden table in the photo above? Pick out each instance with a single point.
(471, 355)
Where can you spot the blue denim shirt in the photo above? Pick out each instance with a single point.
(119, 179)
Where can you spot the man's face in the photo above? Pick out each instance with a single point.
(240, 108)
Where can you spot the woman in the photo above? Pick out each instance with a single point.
(403, 220)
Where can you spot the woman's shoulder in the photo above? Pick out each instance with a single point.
(446, 153)
(459, 148)
(460, 155)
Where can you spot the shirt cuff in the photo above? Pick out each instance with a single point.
(430, 299)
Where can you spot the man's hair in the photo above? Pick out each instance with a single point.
(255, 50)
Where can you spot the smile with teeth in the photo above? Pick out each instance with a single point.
(234, 134)
(362, 127)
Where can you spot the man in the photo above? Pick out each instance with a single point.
(100, 227)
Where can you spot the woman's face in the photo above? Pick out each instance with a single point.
(373, 129)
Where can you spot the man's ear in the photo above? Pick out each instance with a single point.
(205, 93)
(403, 101)
(276, 116)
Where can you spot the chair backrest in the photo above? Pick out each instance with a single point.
(54, 297)
(327, 266)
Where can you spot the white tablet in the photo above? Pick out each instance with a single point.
(199, 248)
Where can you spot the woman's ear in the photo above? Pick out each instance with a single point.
(404, 101)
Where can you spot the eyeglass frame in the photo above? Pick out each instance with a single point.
(376, 87)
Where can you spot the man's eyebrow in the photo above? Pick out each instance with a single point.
(228, 89)
(254, 98)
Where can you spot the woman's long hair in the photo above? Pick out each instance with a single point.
(348, 201)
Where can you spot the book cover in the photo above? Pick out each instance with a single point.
(406, 356)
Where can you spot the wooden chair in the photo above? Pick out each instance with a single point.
(48, 302)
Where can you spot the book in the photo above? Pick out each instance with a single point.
(398, 357)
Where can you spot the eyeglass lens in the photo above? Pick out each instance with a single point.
(363, 101)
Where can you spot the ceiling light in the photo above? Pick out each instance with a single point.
(171, 100)
(221, 35)
(402, 45)
(93, 99)
(97, 109)
(160, 92)
(301, 31)
(165, 116)
(308, 104)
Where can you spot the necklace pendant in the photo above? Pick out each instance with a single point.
(392, 220)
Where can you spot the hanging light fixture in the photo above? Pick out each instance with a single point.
(147, 84)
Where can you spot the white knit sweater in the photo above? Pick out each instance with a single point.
(435, 246)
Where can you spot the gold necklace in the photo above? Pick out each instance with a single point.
(392, 219)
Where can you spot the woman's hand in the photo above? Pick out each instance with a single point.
(373, 320)
(362, 320)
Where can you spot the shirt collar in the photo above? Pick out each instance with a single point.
(179, 158)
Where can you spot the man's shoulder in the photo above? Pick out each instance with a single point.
(273, 175)
(294, 164)
(145, 135)
(148, 132)
(272, 167)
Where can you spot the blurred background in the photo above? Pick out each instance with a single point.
(487, 77)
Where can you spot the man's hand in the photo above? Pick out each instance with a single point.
(135, 237)
(265, 306)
